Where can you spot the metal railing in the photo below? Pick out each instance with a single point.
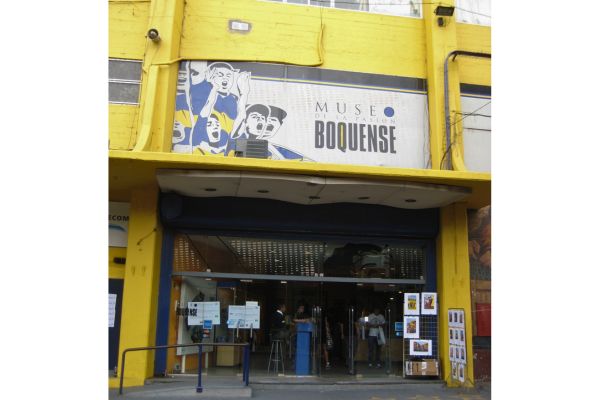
(245, 360)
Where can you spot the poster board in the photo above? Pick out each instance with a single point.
(457, 344)
(428, 303)
(203, 311)
(112, 305)
(244, 317)
(411, 304)
(411, 327)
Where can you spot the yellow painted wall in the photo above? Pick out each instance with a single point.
(140, 289)
(454, 283)
(116, 271)
(475, 38)
(122, 126)
(127, 27)
(352, 41)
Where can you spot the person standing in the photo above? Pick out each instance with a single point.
(278, 326)
(374, 323)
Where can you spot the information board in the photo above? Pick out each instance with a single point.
(204, 310)
(244, 317)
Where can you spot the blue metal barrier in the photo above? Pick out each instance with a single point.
(245, 360)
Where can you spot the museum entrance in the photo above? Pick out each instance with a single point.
(331, 290)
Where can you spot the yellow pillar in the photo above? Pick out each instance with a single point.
(140, 290)
(159, 82)
(440, 41)
(453, 275)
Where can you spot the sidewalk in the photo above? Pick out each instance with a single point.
(219, 388)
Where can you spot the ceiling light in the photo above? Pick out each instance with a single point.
(262, 191)
(210, 189)
(314, 197)
(283, 281)
(410, 200)
(364, 198)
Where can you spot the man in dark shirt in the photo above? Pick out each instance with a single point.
(278, 326)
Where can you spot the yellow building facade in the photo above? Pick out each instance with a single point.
(424, 62)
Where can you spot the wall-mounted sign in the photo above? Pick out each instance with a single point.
(118, 221)
(457, 343)
(304, 113)
(201, 311)
(112, 305)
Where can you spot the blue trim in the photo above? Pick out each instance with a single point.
(258, 78)
(339, 219)
(115, 286)
(430, 267)
(164, 296)
(477, 90)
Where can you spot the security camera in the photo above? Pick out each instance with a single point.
(153, 35)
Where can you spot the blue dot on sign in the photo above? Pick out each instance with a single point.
(389, 112)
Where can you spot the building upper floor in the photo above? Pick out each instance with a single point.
(368, 83)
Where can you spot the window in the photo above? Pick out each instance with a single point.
(405, 8)
(124, 80)
(477, 12)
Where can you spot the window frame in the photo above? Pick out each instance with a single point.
(126, 81)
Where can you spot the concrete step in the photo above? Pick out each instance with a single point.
(183, 393)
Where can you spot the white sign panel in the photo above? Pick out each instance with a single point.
(118, 220)
(307, 114)
(244, 317)
(203, 311)
(112, 306)
(477, 132)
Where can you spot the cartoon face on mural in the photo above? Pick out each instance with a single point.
(212, 111)
(213, 129)
(222, 76)
(195, 76)
(256, 120)
(274, 121)
(178, 132)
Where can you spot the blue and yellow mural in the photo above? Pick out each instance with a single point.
(303, 113)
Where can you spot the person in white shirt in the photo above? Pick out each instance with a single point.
(375, 322)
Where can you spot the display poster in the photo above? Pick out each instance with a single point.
(420, 347)
(204, 310)
(457, 343)
(303, 113)
(429, 303)
(112, 307)
(191, 319)
(455, 371)
(411, 303)
(456, 318)
(411, 327)
(118, 222)
(244, 317)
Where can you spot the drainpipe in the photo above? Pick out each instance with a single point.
(454, 53)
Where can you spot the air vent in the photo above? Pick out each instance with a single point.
(251, 148)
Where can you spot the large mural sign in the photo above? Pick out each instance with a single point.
(307, 114)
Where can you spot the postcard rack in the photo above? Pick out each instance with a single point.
(428, 329)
